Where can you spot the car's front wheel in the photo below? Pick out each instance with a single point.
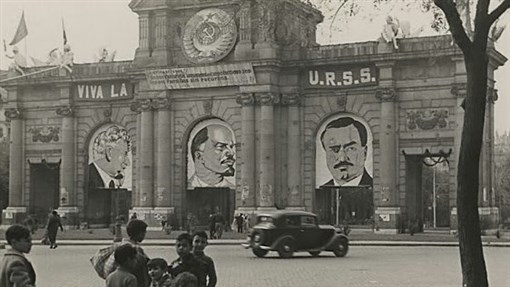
(286, 248)
(341, 247)
(259, 252)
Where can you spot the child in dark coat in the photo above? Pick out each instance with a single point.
(158, 273)
(186, 261)
(199, 244)
(16, 270)
(125, 257)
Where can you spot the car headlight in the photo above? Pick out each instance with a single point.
(256, 238)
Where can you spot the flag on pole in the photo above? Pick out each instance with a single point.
(64, 32)
(22, 31)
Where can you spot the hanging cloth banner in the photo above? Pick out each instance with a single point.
(222, 75)
(22, 31)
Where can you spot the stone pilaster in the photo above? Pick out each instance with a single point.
(143, 50)
(388, 205)
(266, 40)
(294, 187)
(247, 186)
(245, 45)
(163, 153)
(146, 152)
(266, 194)
(68, 205)
(389, 192)
(459, 91)
(16, 210)
(160, 52)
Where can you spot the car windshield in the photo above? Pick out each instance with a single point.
(265, 219)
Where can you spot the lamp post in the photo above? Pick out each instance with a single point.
(118, 219)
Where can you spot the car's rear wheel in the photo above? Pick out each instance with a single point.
(286, 248)
(315, 253)
(259, 252)
(341, 247)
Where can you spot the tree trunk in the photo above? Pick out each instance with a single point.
(474, 271)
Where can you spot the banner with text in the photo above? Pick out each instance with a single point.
(103, 91)
(202, 77)
(340, 77)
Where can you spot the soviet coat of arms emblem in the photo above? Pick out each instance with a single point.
(209, 36)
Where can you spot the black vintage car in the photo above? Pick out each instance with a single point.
(292, 231)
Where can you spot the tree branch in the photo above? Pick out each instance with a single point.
(336, 12)
(494, 15)
(455, 23)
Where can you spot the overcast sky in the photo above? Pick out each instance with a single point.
(93, 24)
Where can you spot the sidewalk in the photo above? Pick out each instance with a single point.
(357, 238)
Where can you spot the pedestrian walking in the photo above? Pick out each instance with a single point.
(16, 270)
(212, 226)
(125, 258)
(191, 223)
(198, 246)
(219, 223)
(53, 225)
(239, 222)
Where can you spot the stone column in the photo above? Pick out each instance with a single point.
(68, 205)
(162, 196)
(388, 205)
(16, 210)
(388, 162)
(459, 91)
(248, 194)
(135, 107)
(294, 188)
(146, 161)
(266, 192)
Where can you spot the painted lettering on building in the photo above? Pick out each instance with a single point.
(340, 77)
(103, 91)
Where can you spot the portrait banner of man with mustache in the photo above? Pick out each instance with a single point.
(211, 156)
(344, 153)
(109, 156)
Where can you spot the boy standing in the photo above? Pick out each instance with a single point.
(16, 270)
(136, 230)
(157, 272)
(186, 261)
(199, 244)
(125, 257)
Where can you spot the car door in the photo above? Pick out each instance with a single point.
(309, 232)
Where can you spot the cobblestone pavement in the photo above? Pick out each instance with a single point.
(364, 266)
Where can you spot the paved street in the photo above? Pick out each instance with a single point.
(364, 266)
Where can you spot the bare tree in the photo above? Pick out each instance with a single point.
(474, 272)
(473, 44)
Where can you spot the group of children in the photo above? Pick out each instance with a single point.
(192, 268)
